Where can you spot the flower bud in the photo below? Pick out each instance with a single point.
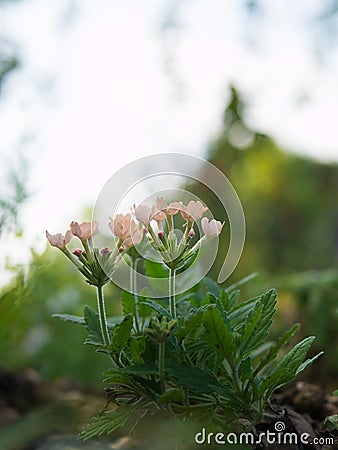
(191, 233)
(78, 252)
(121, 249)
(105, 251)
(161, 234)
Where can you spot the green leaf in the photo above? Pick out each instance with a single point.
(155, 270)
(196, 379)
(141, 369)
(121, 334)
(70, 318)
(137, 346)
(106, 423)
(157, 307)
(287, 369)
(306, 363)
(128, 303)
(114, 376)
(332, 422)
(218, 332)
(274, 349)
(258, 333)
(245, 369)
(335, 393)
(171, 395)
(93, 326)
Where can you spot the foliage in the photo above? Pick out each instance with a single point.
(212, 361)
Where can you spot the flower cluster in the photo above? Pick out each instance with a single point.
(92, 263)
(129, 230)
(175, 252)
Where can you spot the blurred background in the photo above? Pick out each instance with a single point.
(87, 87)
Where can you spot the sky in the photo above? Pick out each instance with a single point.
(101, 85)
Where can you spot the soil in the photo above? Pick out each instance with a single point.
(35, 415)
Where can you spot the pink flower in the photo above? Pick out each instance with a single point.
(123, 227)
(174, 208)
(212, 228)
(193, 211)
(85, 230)
(143, 214)
(159, 211)
(58, 240)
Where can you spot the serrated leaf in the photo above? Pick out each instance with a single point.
(218, 332)
(137, 346)
(287, 368)
(259, 332)
(245, 369)
(189, 325)
(121, 334)
(157, 307)
(93, 326)
(106, 423)
(128, 303)
(196, 379)
(70, 318)
(240, 311)
(274, 349)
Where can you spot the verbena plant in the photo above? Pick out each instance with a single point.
(202, 356)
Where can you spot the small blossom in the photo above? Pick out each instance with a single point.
(135, 238)
(85, 230)
(143, 214)
(126, 229)
(193, 211)
(212, 228)
(174, 207)
(159, 211)
(58, 240)
(78, 252)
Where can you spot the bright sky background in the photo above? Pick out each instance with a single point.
(103, 83)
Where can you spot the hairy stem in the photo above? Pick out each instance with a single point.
(102, 316)
(172, 299)
(133, 275)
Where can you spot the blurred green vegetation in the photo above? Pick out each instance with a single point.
(29, 335)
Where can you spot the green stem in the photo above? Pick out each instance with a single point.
(172, 300)
(102, 316)
(133, 275)
(161, 365)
